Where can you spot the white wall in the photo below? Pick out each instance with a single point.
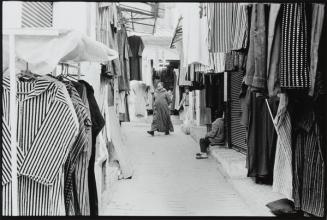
(80, 16)
(70, 15)
(12, 14)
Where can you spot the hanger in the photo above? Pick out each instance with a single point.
(27, 73)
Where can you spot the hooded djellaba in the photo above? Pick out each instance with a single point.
(161, 112)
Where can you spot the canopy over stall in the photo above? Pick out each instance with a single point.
(44, 52)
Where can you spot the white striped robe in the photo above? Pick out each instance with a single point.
(46, 130)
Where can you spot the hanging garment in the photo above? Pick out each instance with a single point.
(161, 113)
(294, 53)
(113, 137)
(100, 168)
(183, 67)
(261, 138)
(121, 106)
(137, 100)
(308, 166)
(176, 89)
(283, 175)
(256, 67)
(44, 111)
(195, 43)
(217, 62)
(107, 34)
(75, 154)
(214, 95)
(121, 150)
(137, 47)
(97, 125)
(318, 13)
(124, 51)
(240, 27)
(273, 50)
(223, 18)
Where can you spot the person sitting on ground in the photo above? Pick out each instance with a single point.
(215, 137)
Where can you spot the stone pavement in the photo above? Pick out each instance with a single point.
(169, 181)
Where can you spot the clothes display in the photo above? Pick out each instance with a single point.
(45, 109)
(137, 47)
(283, 62)
(112, 132)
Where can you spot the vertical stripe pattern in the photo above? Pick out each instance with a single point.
(282, 179)
(309, 167)
(45, 131)
(81, 170)
(294, 68)
(78, 147)
(227, 27)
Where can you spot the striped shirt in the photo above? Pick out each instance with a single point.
(79, 146)
(46, 129)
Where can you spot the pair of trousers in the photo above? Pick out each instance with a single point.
(204, 144)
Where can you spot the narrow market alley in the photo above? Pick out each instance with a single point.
(168, 180)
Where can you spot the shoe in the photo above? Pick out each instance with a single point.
(202, 156)
(151, 132)
(167, 133)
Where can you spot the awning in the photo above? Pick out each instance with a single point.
(43, 53)
(178, 33)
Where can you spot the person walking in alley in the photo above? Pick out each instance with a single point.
(161, 112)
(215, 137)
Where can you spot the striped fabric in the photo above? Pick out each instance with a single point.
(77, 149)
(217, 62)
(294, 66)
(44, 113)
(309, 167)
(81, 171)
(227, 24)
(240, 27)
(282, 179)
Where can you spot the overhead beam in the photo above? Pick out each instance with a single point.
(136, 11)
(134, 22)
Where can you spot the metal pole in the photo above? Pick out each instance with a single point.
(13, 124)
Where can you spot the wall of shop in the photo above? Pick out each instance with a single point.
(12, 14)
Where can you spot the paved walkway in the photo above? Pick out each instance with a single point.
(168, 180)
